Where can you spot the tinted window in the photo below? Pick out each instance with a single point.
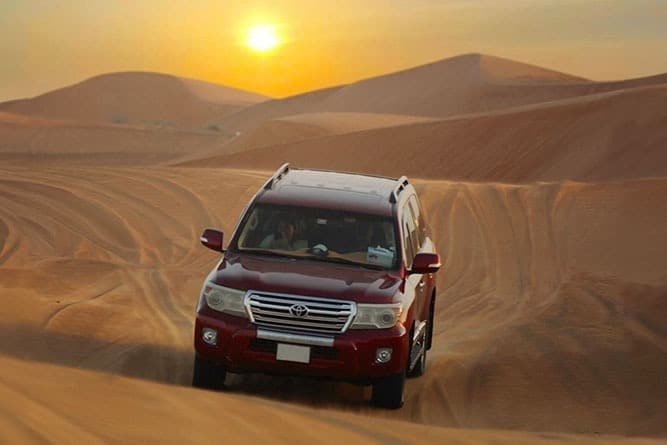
(415, 206)
(322, 234)
(409, 235)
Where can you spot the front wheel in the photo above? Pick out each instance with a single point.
(420, 367)
(388, 391)
(421, 345)
(431, 319)
(208, 375)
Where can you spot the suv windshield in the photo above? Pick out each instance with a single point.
(320, 234)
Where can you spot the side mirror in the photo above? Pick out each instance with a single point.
(425, 263)
(212, 238)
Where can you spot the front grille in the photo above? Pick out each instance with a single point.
(296, 312)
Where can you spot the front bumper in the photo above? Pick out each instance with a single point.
(351, 357)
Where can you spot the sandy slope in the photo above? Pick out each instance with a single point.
(607, 136)
(342, 122)
(470, 83)
(298, 127)
(550, 314)
(43, 409)
(129, 112)
(30, 140)
(142, 98)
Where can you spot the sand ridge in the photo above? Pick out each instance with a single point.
(589, 138)
(466, 84)
(145, 98)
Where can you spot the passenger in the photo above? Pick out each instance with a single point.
(381, 249)
(374, 235)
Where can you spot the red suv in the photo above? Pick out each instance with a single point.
(328, 275)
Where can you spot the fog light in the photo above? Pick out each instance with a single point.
(383, 355)
(210, 336)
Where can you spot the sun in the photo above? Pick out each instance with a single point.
(262, 38)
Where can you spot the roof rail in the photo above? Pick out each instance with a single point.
(282, 170)
(400, 186)
(370, 175)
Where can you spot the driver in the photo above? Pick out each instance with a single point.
(284, 238)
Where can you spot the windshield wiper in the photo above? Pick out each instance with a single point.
(326, 259)
(269, 252)
(340, 260)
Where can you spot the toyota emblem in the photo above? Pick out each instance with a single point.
(298, 310)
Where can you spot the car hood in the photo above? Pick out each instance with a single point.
(310, 278)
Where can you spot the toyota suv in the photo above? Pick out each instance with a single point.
(327, 275)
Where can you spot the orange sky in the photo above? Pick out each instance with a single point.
(48, 44)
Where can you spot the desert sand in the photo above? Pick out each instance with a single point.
(145, 98)
(549, 209)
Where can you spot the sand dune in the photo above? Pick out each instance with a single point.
(342, 122)
(228, 120)
(29, 140)
(549, 313)
(143, 98)
(272, 132)
(299, 127)
(545, 193)
(470, 83)
(608, 136)
(44, 410)
(550, 303)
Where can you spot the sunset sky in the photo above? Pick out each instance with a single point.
(311, 44)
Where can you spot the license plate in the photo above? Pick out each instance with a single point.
(293, 353)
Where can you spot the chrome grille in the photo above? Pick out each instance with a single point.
(287, 312)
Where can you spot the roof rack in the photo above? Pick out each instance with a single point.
(400, 186)
(324, 170)
(282, 170)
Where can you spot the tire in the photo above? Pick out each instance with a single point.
(208, 375)
(388, 392)
(420, 366)
(431, 317)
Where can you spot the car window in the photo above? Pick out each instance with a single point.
(409, 235)
(407, 242)
(418, 219)
(415, 220)
(322, 234)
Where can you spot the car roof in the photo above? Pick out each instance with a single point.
(331, 190)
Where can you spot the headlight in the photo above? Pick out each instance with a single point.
(225, 299)
(377, 316)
